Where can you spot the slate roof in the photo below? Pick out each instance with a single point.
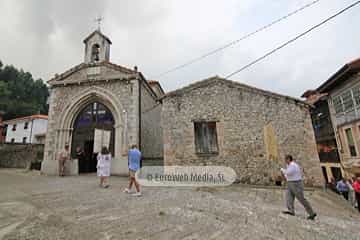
(340, 76)
(97, 32)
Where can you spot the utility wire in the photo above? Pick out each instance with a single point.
(236, 41)
(293, 39)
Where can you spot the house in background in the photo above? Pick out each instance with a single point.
(343, 90)
(324, 135)
(30, 129)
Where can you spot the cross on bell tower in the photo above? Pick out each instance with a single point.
(98, 20)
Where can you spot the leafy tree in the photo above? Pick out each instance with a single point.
(20, 94)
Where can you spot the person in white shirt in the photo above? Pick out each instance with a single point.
(295, 188)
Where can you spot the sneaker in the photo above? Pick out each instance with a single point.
(107, 186)
(288, 213)
(126, 190)
(312, 216)
(137, 194)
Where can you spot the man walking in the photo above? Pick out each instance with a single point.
(295, 188)
(64, 155)
(134, 158)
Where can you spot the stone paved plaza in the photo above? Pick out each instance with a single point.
(44, 207)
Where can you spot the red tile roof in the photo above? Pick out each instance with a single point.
(28, 118)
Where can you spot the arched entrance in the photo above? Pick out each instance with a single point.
(94, 115)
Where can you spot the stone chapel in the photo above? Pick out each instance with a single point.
(100, 103)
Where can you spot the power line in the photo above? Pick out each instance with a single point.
(292, 40)
(235, 41)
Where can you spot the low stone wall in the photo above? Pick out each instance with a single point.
(21, 155)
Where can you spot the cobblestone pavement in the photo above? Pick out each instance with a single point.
(44, 207)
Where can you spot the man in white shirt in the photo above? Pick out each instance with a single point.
(295, 188)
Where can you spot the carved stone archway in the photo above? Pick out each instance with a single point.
(71, 110)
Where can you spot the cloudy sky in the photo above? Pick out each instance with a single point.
(45, 37)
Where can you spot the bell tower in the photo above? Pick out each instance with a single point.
(97, 47)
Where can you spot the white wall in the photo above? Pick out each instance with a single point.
(36, 126)
(39, 127)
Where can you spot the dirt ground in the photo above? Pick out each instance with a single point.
(48, 207)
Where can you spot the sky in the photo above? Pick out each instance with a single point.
(45, 37)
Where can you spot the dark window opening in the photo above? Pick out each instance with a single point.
(14, 127)
(206, 138)
(351, 142)
(26, 125)
(336, 172)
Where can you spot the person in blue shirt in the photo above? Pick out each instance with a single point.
(343, 188)
(134, 161)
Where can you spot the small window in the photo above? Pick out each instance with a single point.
(206, 138)
(347, 100)
(24, 139)
(351, 143)
(14, 127)
(356, 94)
(338, 104)
(12, 140)
(26, 125)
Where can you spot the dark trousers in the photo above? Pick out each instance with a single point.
(345, 195)
(357, 195)
(295, 189)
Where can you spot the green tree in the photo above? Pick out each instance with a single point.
(20, 94)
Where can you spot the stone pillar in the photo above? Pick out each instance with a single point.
(119, 165)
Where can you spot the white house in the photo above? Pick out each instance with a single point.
(30, 129)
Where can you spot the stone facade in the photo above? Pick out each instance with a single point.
(255, 130)
(121, 90)
(151, 132)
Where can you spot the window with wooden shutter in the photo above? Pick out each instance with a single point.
(205, 138)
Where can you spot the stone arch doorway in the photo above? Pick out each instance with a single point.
(94, 115)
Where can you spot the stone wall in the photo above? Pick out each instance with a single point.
(255, 130)
(21, 155)
(151, 132)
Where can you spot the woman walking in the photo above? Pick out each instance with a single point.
(103, 167)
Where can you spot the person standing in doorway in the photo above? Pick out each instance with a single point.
(80, 155)
(356, 186)
(103, 167)
(64, 156)
(134, 161)
(295, 188)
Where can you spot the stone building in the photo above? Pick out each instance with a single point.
(221, 122)
(343, 90)
(98, 96)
